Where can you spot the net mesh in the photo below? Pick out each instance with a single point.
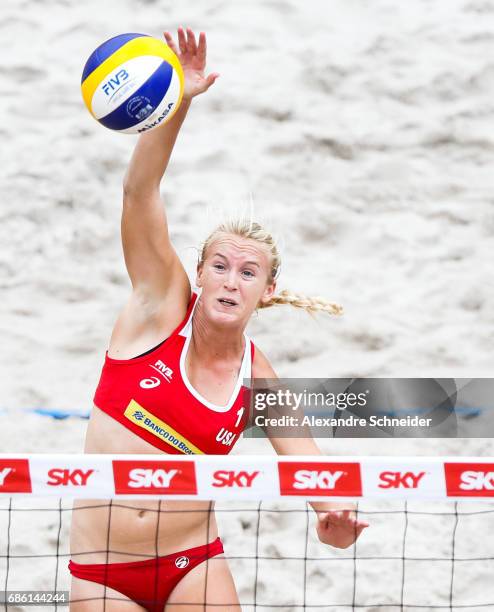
(416, 555)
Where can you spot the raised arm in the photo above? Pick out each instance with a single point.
(154, 268)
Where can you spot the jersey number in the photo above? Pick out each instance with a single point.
(240, 414)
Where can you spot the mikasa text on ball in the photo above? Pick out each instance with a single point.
(132, 83)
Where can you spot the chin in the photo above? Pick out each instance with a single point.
(224, 317)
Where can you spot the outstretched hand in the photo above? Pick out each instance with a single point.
(192, 56)
(339, 528)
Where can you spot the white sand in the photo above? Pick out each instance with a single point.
(364, 133)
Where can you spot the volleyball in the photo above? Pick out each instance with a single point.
(132, 83)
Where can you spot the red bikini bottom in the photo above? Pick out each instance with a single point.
(150, 582)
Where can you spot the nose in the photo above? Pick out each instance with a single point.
(231, 280)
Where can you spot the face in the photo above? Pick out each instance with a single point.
(234, 278)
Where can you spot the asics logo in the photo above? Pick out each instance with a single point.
(150, 383)
(182, 562)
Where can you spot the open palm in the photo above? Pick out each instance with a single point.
(339, 528)
(192, 56)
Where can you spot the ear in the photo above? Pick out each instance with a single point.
(199, 275)
(268, 292)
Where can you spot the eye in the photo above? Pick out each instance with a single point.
(249, 273)
(218, 266)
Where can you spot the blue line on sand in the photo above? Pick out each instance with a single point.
(58, 414)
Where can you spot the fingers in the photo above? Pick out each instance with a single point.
(170, 42)
(187, 43)
(182, 43)
(201, 49)
(336, 515)
(343, 518)
(191, 42)
(360, 528)
(210, 79)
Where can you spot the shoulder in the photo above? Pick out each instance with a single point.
(261, 368)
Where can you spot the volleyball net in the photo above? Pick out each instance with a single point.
(429, 545)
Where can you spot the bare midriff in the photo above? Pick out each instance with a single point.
(124, 530)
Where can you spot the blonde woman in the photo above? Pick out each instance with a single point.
(172, 383)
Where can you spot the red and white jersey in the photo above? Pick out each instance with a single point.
(152, 396)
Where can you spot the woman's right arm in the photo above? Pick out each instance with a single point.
(156, 272)
(154, 268)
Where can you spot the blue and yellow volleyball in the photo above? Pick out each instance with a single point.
(132, 83)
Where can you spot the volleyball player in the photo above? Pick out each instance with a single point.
(172, 383)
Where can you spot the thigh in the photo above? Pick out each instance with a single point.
(94, 598)
(207, 587)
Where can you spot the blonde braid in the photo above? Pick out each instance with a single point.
(298, 300)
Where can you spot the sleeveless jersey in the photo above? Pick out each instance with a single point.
(152, 396)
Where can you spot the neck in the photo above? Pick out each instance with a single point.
(214, 342)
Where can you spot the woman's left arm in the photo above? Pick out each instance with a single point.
(338, 524)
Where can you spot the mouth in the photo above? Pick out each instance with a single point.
(227, 302)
